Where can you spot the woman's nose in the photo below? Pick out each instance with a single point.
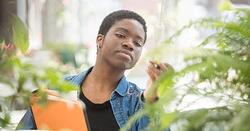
(128, 44)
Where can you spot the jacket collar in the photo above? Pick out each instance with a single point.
(121, 88)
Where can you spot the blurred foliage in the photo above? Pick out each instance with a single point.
(67, 53)
(20, 34)
(19, 77)
(218, 68)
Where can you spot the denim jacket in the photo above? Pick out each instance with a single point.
(125, 101)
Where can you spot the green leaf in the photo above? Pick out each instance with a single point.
(167, 118)
(2, 42)
(237, 28)
(165, 82)
(65, 86)
(226, 5)
(5, 120)
(20, 34)
(52, 75)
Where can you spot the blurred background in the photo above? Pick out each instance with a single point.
(62, 33)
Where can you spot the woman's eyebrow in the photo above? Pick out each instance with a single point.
(121, 28)
(127, 31)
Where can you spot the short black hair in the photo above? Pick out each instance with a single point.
(115, 16)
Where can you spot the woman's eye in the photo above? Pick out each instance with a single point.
(120, 35)
(139, 44)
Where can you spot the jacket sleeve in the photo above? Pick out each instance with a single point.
(27, 122)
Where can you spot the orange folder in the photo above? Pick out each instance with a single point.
(59, 114)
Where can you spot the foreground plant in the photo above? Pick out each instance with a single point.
(19, 77)
(220, 74)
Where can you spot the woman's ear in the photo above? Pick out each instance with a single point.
(99, 40)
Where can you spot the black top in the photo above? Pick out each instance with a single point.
(100, 116)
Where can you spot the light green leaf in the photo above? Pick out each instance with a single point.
(226, 5)
(20, 34)
(166, 119)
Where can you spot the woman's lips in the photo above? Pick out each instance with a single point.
(126, 54)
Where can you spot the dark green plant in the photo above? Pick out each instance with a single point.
(224, 72)
(18, 75)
